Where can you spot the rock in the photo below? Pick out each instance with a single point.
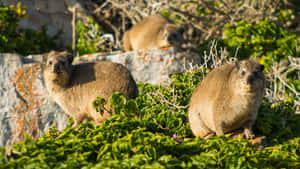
(153, 66)
(24, 103)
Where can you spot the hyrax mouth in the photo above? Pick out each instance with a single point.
(58, 69)
(255, 78)
(60, 76)
(251, 79)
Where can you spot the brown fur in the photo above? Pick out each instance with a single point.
(75, 87)
(227, 99)
(154, 31)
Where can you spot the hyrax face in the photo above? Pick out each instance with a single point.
(227, 99)
(173, 34)
(249, 76)
(58, 67)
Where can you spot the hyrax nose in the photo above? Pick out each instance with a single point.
(250, 79)
(57, 68)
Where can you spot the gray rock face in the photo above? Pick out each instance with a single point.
(24, 103)
(8, 96)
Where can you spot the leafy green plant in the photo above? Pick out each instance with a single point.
(88, 37)
(98, 104)
(152, 131)
(264, 40)
(9, 17)
(22, 41)
(278, 121)
(118, 103)
(285, 16)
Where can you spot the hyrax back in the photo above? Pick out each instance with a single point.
(154, 31)
(75, 87)
(227, 99)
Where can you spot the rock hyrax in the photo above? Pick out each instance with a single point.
(154, 31)
(75, 87)
(227, 99)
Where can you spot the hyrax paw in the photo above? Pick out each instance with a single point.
(75, 125)
(249, 134)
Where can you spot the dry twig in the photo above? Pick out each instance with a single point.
(203, 19)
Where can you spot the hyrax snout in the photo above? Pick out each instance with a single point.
(227, 99)
(153, 31)
(75, 87)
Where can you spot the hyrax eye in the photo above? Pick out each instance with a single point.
(243, 73)
(50, 62)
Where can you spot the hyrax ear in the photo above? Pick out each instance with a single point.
(69, 57)
(261, 67)
(237, 65)
(44, 58)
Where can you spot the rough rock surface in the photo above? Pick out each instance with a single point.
(153, 66)
(24, 103)
(56, 14)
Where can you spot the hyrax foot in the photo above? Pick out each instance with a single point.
(248, 133)
(75, 125)
(209, 135)
(248, 130)
(78, 119)
(219, 129)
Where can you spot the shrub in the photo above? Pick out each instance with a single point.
(89, 38)
(22, 41)
(9, 17)
(264, 40)
(278, 121)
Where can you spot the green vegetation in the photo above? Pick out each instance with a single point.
(152, 132)
(22, 41)
(278, 121)
(264, 40)
(88, 37)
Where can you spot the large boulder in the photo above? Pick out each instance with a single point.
(24, 103)
(153, 66)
